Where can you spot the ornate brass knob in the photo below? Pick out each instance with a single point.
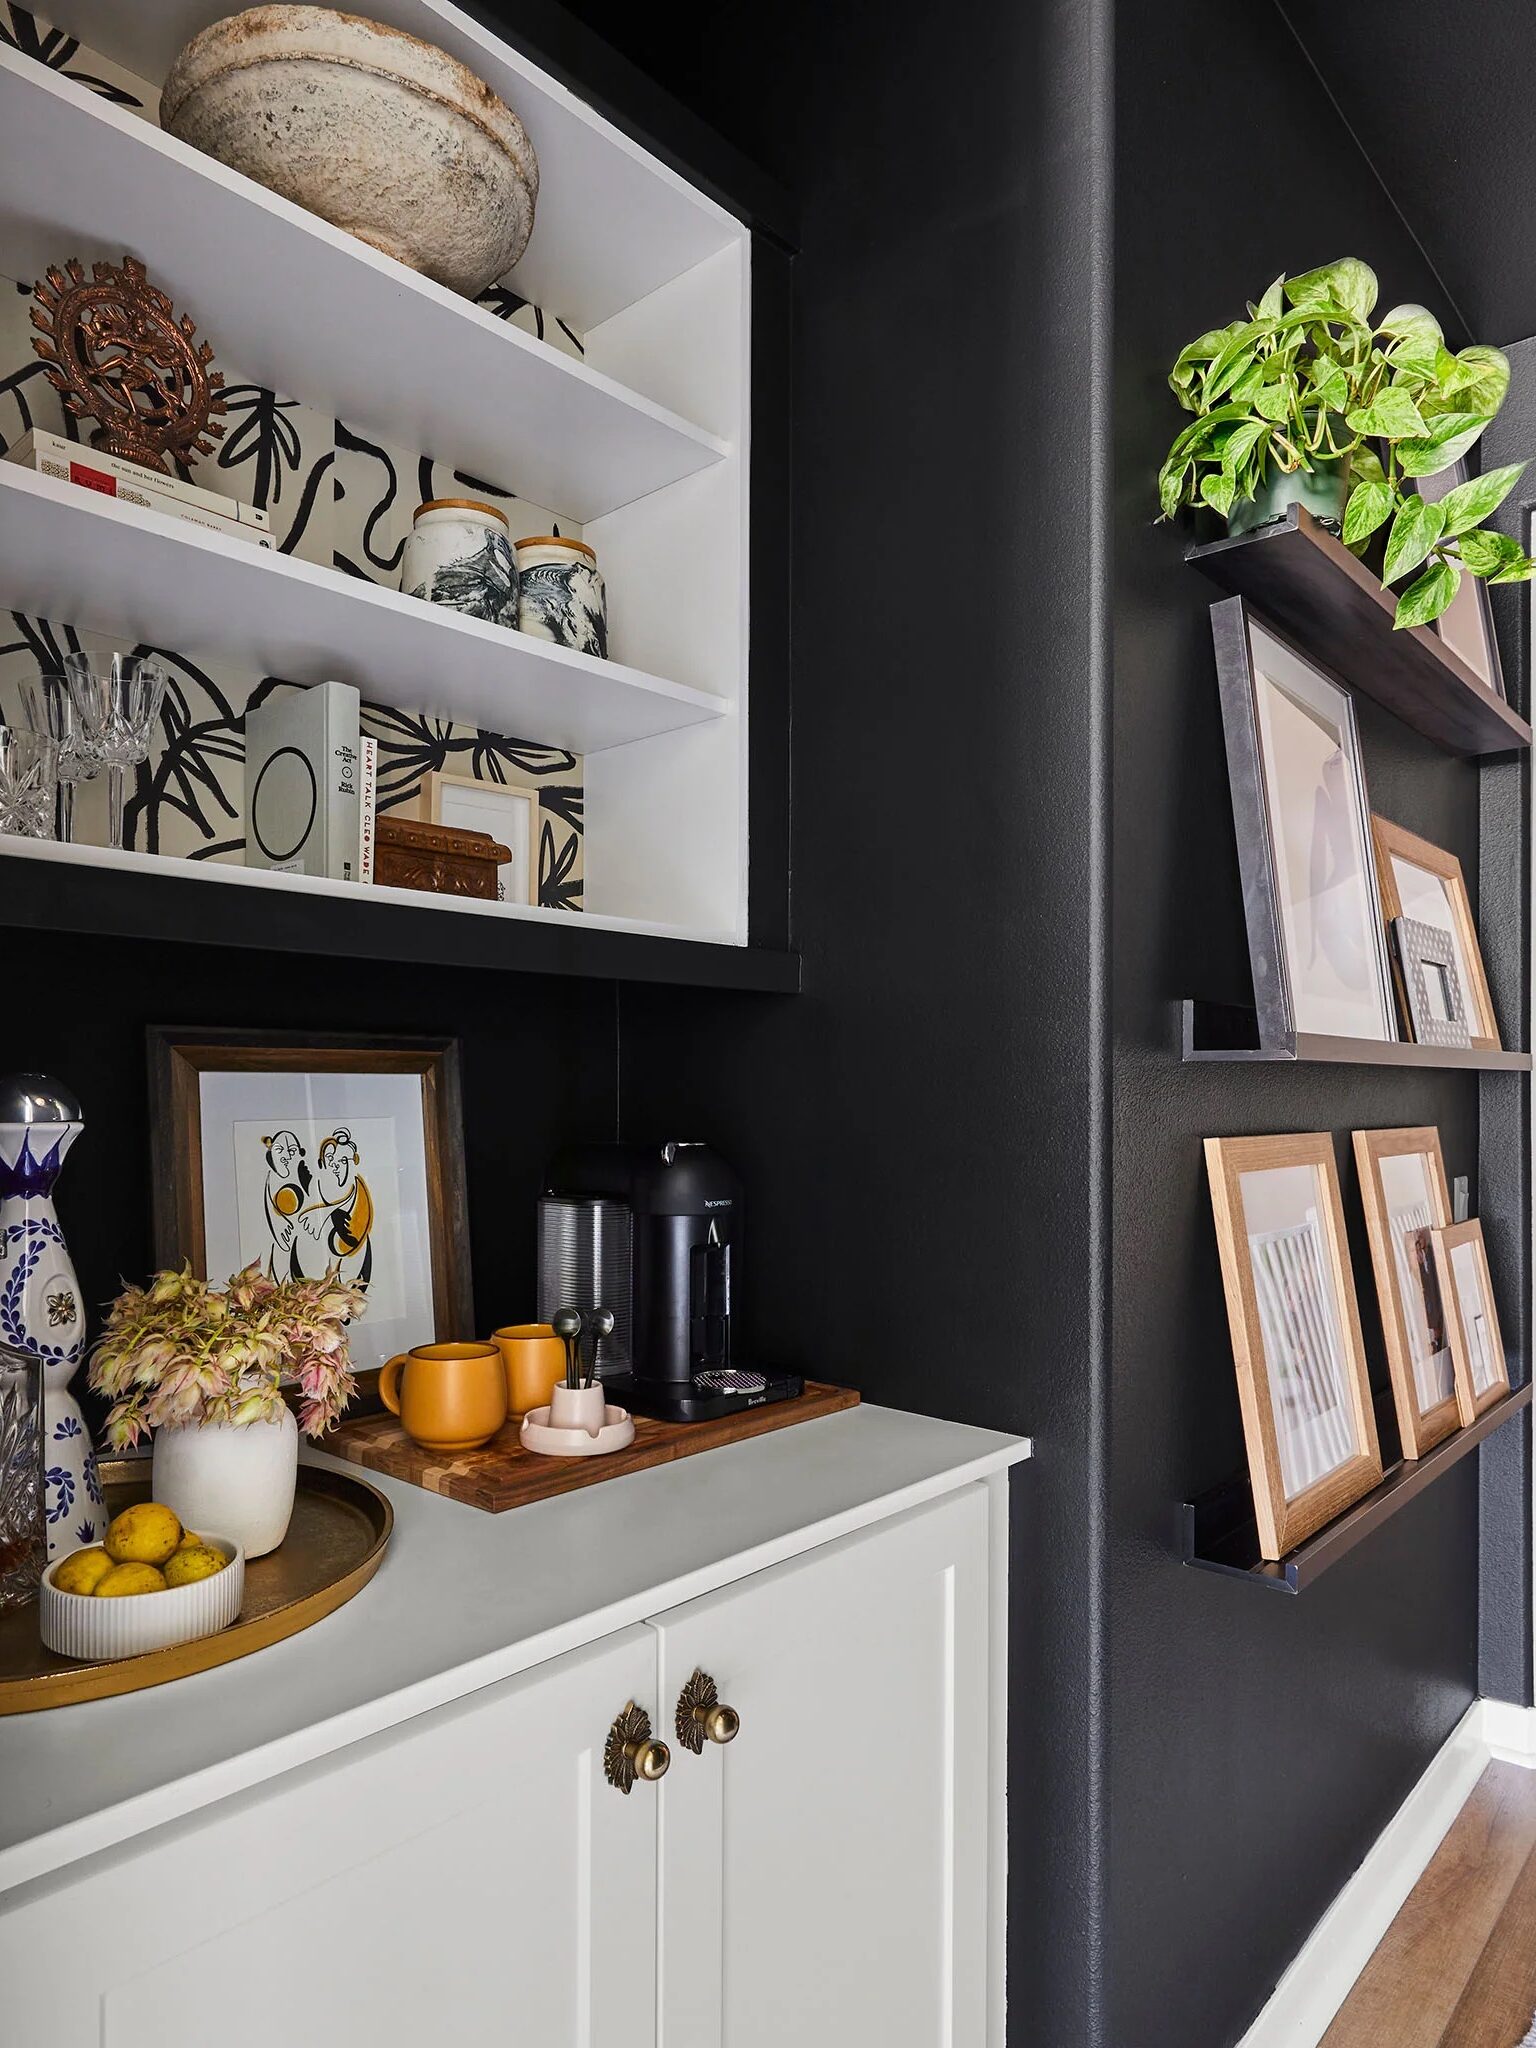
(701, 1715)
(631, 1750)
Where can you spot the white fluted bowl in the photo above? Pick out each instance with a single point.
(80, 1625)
(376, 131)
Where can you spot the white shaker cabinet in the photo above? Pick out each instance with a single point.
(470, 1879)
(824, 1872)
(829, 1874)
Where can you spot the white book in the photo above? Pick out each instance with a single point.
(368, 810)
(116, 477)
(303, 775)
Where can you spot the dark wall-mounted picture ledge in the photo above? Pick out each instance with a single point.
(1219, 1535)
(1230, 1031)
(1307, 583)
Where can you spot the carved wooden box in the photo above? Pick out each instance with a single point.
(444, 859)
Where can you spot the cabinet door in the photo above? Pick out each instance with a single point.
(824, 1875)
(470, 1878)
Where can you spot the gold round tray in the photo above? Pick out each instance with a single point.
(335, 1544)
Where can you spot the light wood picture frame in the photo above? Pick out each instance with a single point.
(1308, 1420)
(1472, 1319)
(1422, 881)
(1405, 1196)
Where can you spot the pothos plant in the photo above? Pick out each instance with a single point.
(1308, 382)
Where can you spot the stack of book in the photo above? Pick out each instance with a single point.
(132, 484)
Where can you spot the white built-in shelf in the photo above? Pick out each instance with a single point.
(71, 554)
(95, 892)
(298, 305)
(613, 224)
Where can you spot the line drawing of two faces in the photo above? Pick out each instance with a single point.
(319, 1219)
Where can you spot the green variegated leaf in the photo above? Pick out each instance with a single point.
(1479, 381)
(1241, 443)
(1330, 382)
(1370, 504)
(1273, 401)
(1348, 283)
(1391, 416)
(1414, 532)
(1365, 466)
(1411, 323)
(1449, 437)
(1470, 503)
(1489, 554)
(1249, 384)
(1218, 492)
(1272, 305)
(1427, 597)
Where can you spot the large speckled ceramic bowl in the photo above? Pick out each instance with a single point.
(373, 130)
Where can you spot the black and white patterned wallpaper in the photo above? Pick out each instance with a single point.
(336, 498)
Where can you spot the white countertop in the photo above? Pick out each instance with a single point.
(464, 1598)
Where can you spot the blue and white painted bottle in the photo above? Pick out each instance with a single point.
(40, 1306)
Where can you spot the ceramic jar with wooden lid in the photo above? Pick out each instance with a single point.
(560, 594)
(459, 553)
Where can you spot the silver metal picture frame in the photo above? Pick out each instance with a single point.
(1316, 942)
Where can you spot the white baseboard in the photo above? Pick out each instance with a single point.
(1310, 1993)
(1510, 1732)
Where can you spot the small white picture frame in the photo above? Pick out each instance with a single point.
(507, 811)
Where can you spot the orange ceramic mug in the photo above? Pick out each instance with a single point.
(449, 1397)
(535, 1360)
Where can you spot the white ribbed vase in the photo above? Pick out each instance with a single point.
(236, 1478)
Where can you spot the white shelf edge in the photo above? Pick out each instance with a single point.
(144, 38)
(406, 616)
(183, 867)
(78, 102)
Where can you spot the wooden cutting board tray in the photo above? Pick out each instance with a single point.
(503, 1475)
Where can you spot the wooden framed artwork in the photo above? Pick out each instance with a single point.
(1405, 1197)
(314, 1154)
(1308, 1422)
(1316, 941)
(1461, 1260)
(1425, 883)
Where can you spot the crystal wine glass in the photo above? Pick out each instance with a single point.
(29, 777)
(117, 698)
(51, 709)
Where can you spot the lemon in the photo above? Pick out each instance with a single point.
(200, 1562)
(83, 1570)
(144, 1534)
(130, 1578)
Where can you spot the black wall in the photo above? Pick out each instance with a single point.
(918, 1130)
(972, 1155)
(1259, 1743)
(537, 1058)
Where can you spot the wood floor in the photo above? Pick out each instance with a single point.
(1457, 1967)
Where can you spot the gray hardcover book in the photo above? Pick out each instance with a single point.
(303, 768)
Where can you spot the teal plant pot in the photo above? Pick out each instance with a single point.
(1322, 491)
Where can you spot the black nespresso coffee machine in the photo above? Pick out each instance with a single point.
(662, 1222)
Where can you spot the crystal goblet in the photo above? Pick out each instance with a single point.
(29, 776)
(51, 709)
(118, 698)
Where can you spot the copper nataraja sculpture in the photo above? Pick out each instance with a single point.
(117, 353)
